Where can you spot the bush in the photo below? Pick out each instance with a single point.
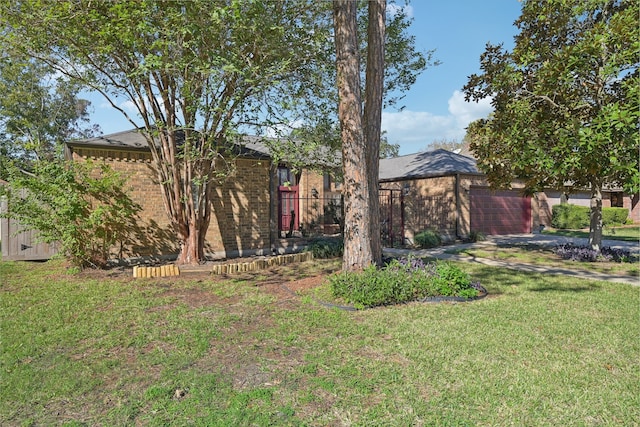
(586, 254)
(614, 216)
(83, 210)
(567, 216)
(326, 248)
(402, 281)
(428, 239)
(477, 236)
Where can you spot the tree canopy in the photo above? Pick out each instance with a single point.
(565, 100)
(38, 112)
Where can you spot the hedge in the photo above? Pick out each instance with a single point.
(568, 216)
(615, 216)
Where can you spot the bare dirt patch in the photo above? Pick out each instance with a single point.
(283, 289)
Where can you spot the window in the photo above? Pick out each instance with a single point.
(617, 200)
(330, 181)
(285, 177)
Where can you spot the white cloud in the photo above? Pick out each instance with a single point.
(415, 130)
(129, 106)
(466, 112)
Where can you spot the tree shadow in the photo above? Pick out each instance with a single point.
(151, 240)
(497, 279)
(582, 287)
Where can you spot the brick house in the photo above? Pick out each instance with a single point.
(251, 210)
(446, 191)
(265, 207)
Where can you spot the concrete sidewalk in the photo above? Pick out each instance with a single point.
(541, 240)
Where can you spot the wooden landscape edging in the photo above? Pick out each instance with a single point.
(239, 267)
(261, 264)
(162, 271)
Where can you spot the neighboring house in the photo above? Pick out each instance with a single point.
(446, 191)
(252, 210)
(611, 197)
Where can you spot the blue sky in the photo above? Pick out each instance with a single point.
(434, 108)
(458, 30)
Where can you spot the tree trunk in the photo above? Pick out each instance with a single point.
(190, 253)
(595, 217)
(373, 116)
(186, 203)
(357, 238)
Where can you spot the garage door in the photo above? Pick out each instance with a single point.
(499, 212)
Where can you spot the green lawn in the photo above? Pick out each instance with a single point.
(103, 349)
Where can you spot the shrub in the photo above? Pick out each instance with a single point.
(402, 281)
(326, 248)
(567, 216)
(477, 236)
(615, 216)
(573, 252)
(428, 239)
(83, 210)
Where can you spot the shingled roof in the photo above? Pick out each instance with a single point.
(134, 139)
(418, 165)
(426, 164)
(254, 147)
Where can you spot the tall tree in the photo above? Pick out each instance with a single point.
(38, 112)
(566, 101)
(196, 71)
(357, 238)
(360, 130)
(374, 87)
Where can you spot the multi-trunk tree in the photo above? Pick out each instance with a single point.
(566, 101)
(196, 72)
(360, 129)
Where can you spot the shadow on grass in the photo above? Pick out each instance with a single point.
(567, 288)
(498, 280)
(607, 235)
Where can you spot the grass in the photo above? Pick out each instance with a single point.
(95, 349)
(625, 233)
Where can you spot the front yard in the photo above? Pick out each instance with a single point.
(105, 349)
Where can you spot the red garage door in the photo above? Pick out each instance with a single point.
(500, 212)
